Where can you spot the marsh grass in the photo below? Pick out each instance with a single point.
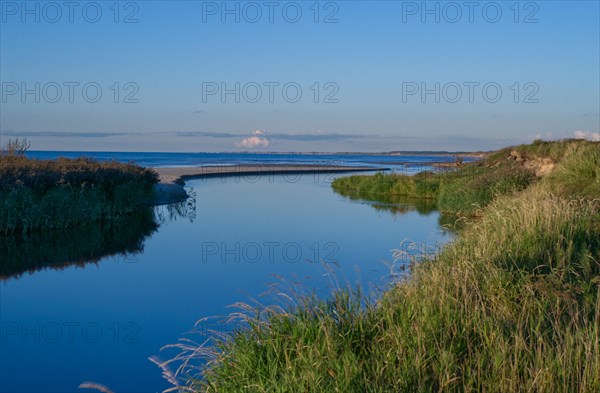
(57, 194)
(511, 305)
(464, 191)
(467, 190)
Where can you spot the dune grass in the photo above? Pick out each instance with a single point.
(512, 305)
(61, 193)
(578, 173)
(553, 150)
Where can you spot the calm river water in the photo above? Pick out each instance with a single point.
(94, 304)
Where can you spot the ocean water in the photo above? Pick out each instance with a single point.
(394, 162)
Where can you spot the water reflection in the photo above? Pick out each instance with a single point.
(58, 249)
(401, 205)
(176, 211)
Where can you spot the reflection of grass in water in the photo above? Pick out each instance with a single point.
(175, 211)
(62, 248)
(396, 204)
(401, 204)
(75, 246)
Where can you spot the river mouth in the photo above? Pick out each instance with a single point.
(97, 312)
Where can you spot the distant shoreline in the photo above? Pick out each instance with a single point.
(343, 153)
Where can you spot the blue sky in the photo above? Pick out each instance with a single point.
(361, 68)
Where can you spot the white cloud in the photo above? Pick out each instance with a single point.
(254, 141)
(592, 136)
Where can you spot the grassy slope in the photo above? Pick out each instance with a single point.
(48, 194)
(511, 305)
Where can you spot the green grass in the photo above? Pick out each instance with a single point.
(57, 194)
(422, 185)
(553, 150)
(578, 173)
(512, 305)
(464, 191)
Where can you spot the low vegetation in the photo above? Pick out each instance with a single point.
(61, 193)
(511, 305)
(466, 190)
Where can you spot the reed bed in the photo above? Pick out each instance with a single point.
(61, 193)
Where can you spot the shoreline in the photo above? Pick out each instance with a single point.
(170, 189)
(518, 281)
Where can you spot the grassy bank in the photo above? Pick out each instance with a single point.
(511, 305)
(472, 187)
(62, 193)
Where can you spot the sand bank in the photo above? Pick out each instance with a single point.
(170, 189)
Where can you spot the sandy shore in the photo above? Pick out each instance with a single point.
(180, 174)
(170, 189)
